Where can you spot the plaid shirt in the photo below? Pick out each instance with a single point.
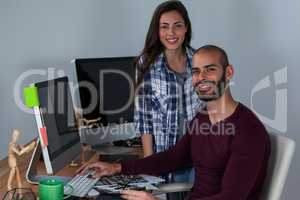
(157, 103)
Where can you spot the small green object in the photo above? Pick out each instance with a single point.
(52, 189)
(31, 96)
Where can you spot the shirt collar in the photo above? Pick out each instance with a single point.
(160, 63)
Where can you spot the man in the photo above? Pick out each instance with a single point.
(226, 143)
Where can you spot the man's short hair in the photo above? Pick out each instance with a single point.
(212, 48)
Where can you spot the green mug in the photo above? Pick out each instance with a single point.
(52, 189)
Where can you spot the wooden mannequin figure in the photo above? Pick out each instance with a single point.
(15, 150)
(83, 123)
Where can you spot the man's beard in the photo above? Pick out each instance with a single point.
(217, 93)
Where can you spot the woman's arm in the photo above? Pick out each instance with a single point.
(147, 141)
(143, 115)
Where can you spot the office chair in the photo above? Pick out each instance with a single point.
(181, 188)
(282, 150)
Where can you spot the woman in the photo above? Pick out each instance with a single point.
(166, 99)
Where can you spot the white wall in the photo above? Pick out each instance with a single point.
(261, 37)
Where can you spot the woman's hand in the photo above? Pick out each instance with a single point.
(137, 195)
(101, 169)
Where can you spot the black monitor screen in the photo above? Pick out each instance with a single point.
(106, 88)
(56, 107)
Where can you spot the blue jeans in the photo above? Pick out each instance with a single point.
(184, 175)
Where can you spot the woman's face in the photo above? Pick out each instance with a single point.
(172, 30)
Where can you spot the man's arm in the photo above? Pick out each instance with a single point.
(174, 158)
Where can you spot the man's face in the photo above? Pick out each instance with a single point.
(208, 76)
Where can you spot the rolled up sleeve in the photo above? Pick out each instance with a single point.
(143, 107)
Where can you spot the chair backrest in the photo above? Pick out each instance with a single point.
(282, 150)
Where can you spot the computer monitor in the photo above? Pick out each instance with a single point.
(56, 113)
(106, 90)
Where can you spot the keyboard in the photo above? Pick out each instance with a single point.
(83, 184)
(80, 184)
(121, 180)
(113, 184)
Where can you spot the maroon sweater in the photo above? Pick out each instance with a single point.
(230, 157)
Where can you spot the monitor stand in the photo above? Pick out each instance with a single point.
(32, 175)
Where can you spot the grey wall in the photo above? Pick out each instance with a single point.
(261, 37)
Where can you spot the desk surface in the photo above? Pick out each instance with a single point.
(23, 164)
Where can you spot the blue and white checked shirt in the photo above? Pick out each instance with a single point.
(157, 103)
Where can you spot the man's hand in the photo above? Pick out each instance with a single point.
(137, 195)
(101, 169)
